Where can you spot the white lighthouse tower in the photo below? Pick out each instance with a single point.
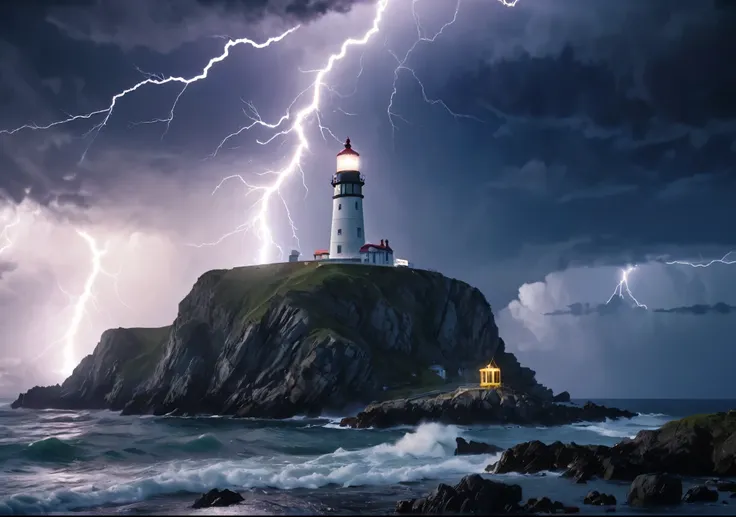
(348, 231)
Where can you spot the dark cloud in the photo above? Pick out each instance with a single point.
(700, 309)
(164, 26)
(616, 306)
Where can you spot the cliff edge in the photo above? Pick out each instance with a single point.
(286, 339)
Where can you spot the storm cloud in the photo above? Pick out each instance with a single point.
(598, 135)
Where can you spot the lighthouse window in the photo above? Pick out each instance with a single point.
(339, 206)
(339, 231)
(339, 248)
(360, 231)
(356, 207)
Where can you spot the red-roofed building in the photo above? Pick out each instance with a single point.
(378, 254)
(321, 254)
(347, 234)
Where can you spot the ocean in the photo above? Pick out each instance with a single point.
(99, 462)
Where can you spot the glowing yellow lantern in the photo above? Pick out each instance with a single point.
(490, 376)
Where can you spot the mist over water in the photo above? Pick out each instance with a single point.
(99, 461)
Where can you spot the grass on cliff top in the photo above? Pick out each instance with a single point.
(725, 421)
(250, 290)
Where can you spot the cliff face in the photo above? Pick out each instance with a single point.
(287, 339)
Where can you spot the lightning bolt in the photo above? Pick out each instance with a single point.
(622, 288)
(155, 80)
(80, 307)
(723, 260)
(401, 65)
(5, 241)
(288, 124)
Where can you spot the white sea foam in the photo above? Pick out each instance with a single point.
(625, 428)
(426, 453)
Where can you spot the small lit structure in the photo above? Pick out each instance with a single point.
(490, 376)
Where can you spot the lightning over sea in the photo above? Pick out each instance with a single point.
(227, 406)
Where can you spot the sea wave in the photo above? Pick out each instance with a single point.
(625, 428)
(425, 453)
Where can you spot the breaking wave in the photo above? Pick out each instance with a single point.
(426, 453)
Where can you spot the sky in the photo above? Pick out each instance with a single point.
(535, 151)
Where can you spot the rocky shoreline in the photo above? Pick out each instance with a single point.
(653, 461)
(468, 406)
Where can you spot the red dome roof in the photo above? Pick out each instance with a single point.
(348, 149)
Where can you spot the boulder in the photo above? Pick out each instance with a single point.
(217, 497)
(700, 494)
(561, 397)
(655, 490)
(472, 447)
(595, 498)
(473, 494)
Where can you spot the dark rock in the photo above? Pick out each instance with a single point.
(725, 486)
(467, 406)
(693, 446)
(285, 339)
(217, 497)
(473, 494)
(546, 505)
(700, 494)
(597, 499)
(561, 397)
(464, 447)
(655, 490)
(404, 506)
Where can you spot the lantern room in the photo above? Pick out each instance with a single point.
(348, 159)
(490, 376)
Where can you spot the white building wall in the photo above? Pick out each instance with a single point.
(377, 258)
(348, 229)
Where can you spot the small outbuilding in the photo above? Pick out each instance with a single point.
(490, 376)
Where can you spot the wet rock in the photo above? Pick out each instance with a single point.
(700, 494)
(468, 406)
(595, 498)
(655, 490)
(693, 446)
(473, 494)
(561, 397)
(472, 447)
(218, 498)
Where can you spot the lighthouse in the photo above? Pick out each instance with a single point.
(347, 236)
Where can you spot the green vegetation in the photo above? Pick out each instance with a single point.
(151, 342)
(713, 421)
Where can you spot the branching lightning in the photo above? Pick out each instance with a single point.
(401, 65)
(622, 288)
(291, 123)
(723, 260)
(156, 80)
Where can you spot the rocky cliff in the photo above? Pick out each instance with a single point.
(287, 339)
